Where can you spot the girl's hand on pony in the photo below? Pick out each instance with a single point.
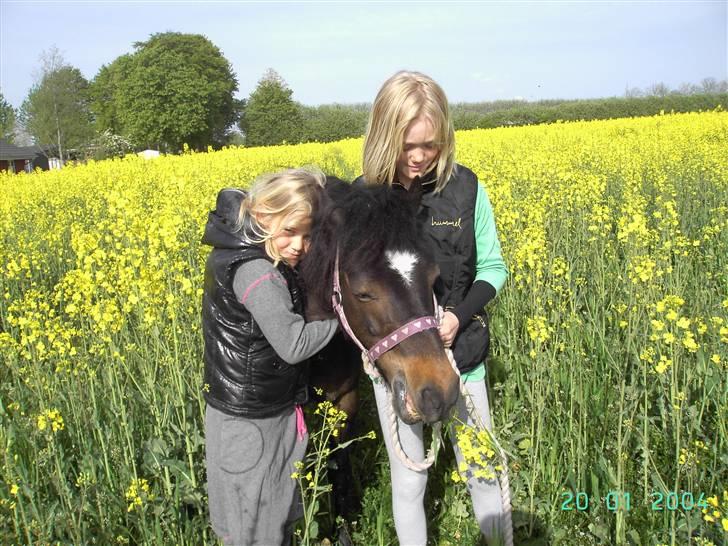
(448, 328)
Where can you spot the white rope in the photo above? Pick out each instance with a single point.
(375, 376)
(505, 487)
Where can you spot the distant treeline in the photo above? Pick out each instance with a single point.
(177, 91)
(328, 123)
(488, 115)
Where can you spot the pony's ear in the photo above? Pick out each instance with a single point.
(333, 180)
(414, 194)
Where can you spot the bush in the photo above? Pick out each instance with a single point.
(610, 108)
(332, 122)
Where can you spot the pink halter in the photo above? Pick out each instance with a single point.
(391, 340)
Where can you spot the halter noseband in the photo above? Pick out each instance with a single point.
(391, 340)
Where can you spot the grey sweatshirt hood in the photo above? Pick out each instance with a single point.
(221, 230)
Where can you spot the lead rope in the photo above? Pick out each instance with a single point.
(505, 487)
(375, 376)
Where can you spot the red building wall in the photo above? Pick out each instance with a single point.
(18, 164)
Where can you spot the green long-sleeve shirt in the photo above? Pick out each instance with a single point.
(489, 264)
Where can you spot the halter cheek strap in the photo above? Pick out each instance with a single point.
(391, 340)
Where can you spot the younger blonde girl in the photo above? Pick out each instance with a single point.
(256, 348)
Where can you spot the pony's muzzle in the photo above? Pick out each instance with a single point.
(435, 404)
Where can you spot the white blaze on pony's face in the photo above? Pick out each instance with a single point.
(403, 262)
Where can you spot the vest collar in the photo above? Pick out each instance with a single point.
(428, 182)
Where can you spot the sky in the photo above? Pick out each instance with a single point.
(341, 52)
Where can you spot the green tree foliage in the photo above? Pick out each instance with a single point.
(102, 92)
(331, 122)
(467, 115)
(611, 108)
(174, 89)
(56, 109)
(271, 116)
(7, 120)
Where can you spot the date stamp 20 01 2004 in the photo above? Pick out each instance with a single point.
(622, 500)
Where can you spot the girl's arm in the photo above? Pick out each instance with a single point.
(490, 269)
(262, 289)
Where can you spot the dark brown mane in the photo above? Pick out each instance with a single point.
(362, 222)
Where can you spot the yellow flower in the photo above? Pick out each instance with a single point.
(689, 342)
(50, 418)
(537, 328)
(657, 325)
(137, 492)
(663, 365)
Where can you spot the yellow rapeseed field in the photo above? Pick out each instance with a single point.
(610, 338)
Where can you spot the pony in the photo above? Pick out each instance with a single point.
(369, 258)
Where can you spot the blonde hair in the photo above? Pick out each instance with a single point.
(402, 99)
(279, 198)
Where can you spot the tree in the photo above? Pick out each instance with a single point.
(271, 116)
(56, 109)
(174, 89)
(688, 89)
(102, 94)
(7, 120)
(633, 92)
(709, 85)
(713, 86)
(330, 122)
(658, 90)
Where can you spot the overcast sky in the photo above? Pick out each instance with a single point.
(343, 51)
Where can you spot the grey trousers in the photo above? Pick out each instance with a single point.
(408, 486)
(252, 497)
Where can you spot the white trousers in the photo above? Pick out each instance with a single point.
(408, 486)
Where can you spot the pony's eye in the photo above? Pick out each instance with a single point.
(363, 296)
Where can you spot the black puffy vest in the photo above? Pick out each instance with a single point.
(448, 221)
(244, 376)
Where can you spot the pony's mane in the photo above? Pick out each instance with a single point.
(362, 222)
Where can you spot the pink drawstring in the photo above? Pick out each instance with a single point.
(300, 424)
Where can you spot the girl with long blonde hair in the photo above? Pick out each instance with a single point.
(410, 135)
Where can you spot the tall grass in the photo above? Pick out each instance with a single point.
(608, 372)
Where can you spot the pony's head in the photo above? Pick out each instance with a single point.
(386, 273)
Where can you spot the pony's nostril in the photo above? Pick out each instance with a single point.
(431, 401)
